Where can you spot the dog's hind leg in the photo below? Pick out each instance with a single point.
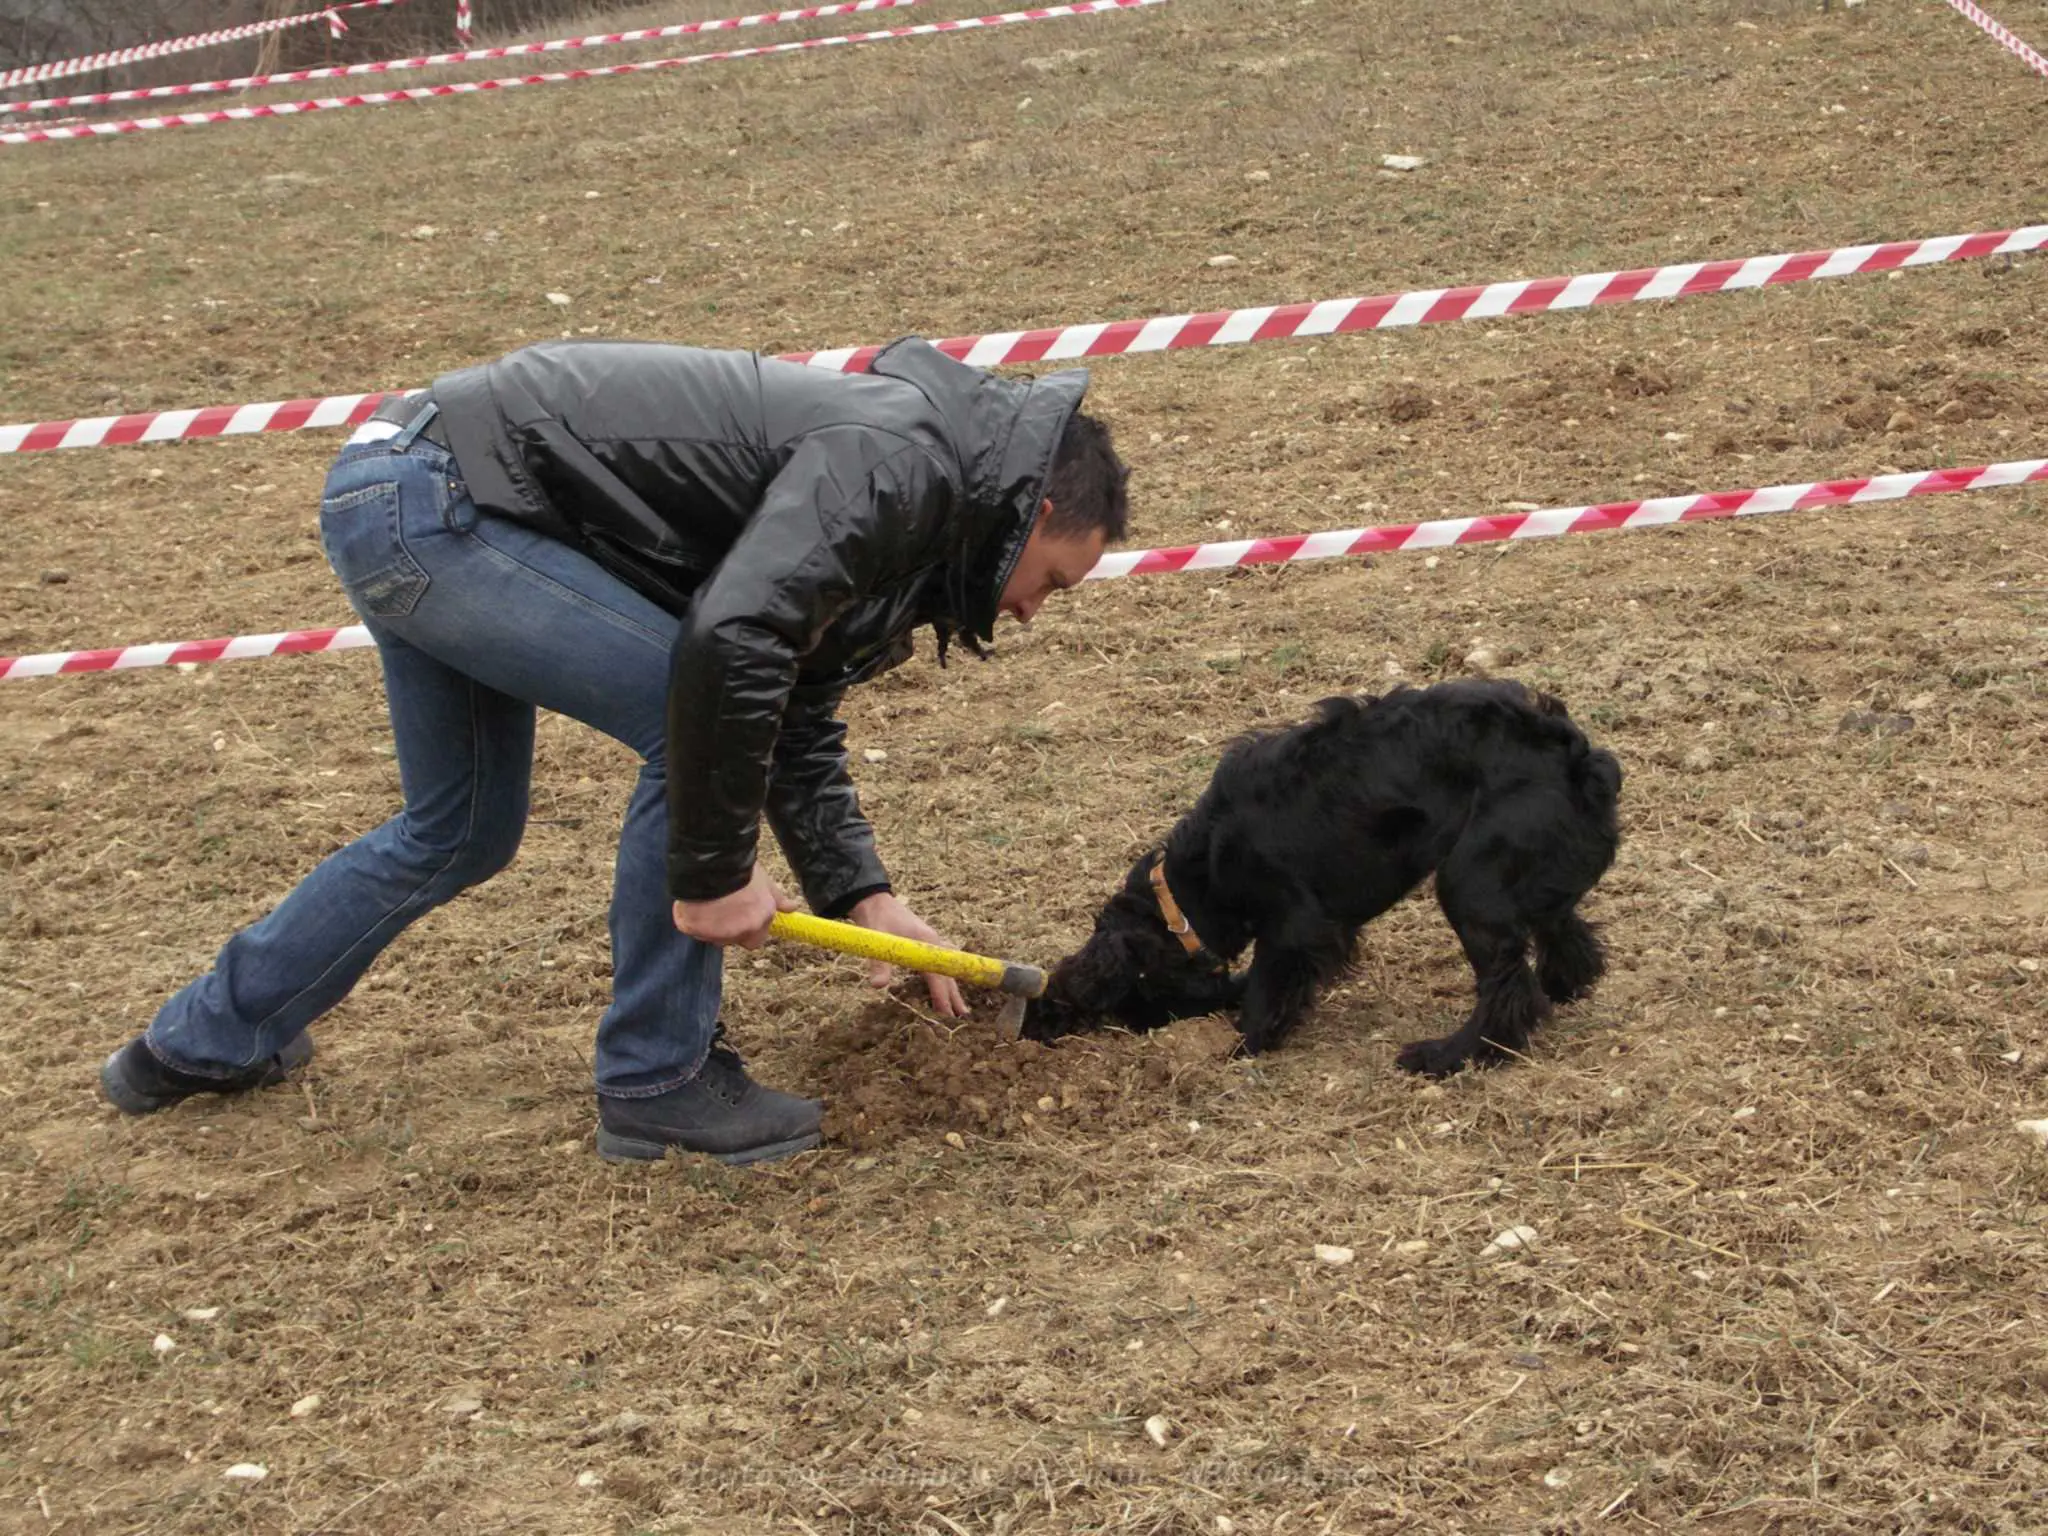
(1569, 958)
(1510, 1005)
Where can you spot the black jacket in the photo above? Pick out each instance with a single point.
(802, 524)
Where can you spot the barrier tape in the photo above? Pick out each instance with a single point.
(464, 20)
(474, 87)
(1651, 512)
(436, 60)
(64, 69)
(1997, 30)
(1218, 328)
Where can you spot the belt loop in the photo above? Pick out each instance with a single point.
(415, 427)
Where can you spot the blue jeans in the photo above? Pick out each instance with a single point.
(477, 620)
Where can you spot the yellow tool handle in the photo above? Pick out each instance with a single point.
(850, 939)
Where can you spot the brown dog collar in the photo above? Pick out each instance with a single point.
(1176, 921)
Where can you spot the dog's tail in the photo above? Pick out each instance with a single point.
(1595, 773)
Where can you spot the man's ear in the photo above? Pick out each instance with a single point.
(1045, 510)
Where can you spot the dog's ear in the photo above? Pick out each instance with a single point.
(1084, 989)
(1095, 977)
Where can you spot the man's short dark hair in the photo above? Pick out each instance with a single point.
(1086, 486)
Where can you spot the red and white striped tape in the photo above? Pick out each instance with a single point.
(1219, 328)
(125, 658)
(1997, 30)
(465, 21)
(473, 87)
(436, 60)
(1653, 512)
(66, 68)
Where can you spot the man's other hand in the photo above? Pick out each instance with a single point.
(741, 918)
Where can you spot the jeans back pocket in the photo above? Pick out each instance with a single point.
(359, 530)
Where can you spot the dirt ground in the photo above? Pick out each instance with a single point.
(1788, 1272)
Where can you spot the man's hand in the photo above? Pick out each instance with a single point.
(885, 914)
(741, 918)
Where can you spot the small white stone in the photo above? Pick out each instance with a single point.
(589, 1479)
(1194, 1126)
(1557, 1477)
(1403, 162)
(200, 1314)
(874, 755)
(2038, 1129)
(462, 1407)
(306, 1406)
(591, 197)
(995, 1308)
(2012, 1058)
(421, 232)
(2030, 966)
(1415, 1247)
(1258, 176)
(247, 1472)
(1676, 437)
(954, 1141)
(1222, 261)
(1225, 1526)
(163, 1344)
(1332, 1253)
(1482, 658)
(1745, 1112)
(1159, 1427)
(559, 300)
(1513, 1239)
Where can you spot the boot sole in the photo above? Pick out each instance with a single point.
(131, 1100)
(614, 1148)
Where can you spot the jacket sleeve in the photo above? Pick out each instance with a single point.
(848, 512)
(813, 807)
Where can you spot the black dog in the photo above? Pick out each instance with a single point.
(1305, 835)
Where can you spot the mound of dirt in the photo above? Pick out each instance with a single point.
(889, 1069)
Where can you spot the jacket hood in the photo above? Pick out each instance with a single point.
(1007, 431)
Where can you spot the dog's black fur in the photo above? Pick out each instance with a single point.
(1305, 835)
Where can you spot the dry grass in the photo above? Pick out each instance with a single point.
(1788, 1275)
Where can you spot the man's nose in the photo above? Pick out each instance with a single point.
(1026, 607)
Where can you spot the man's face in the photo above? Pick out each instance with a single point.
(1050, 563)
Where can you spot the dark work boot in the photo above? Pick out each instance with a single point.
(136, 1083)
(721, 1111)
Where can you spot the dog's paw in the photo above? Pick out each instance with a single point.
(1431, 1058)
